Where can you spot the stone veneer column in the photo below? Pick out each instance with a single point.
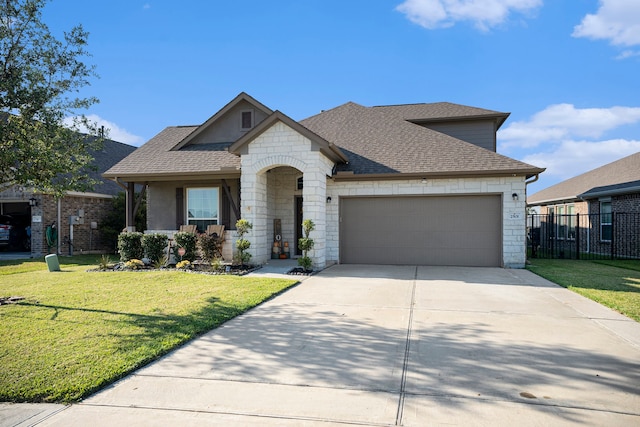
(254, 210)
(314, 196)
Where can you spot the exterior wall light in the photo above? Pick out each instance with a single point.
(329, 199)
(33, 202)
(514, 196)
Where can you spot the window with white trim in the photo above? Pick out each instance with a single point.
(203, 207)
(565, 221)
(605, 221)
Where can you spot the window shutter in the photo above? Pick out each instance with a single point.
(225, 210)
(179, 207)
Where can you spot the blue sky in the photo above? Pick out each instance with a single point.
(568, 71)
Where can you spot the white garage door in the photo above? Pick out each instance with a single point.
(421, 230)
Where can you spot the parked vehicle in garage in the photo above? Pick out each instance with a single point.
(15, 232)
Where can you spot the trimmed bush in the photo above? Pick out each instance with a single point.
(242, 227)
(154, 245)
(210, 246)
(130, 246)
(306, 244)
(188, 242)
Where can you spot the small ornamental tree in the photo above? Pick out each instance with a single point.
(242, 227)
(306, 244)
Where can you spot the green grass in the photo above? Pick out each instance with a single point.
(615, 284)
(77, 331)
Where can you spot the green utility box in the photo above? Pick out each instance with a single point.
(52, 262)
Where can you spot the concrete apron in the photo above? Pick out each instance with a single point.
(394, 345)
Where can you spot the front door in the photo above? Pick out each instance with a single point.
(298, 223)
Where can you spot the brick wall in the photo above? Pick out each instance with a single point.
(85, 239)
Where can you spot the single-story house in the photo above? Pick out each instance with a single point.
(76, 215)
(598, 197)
(398, 184)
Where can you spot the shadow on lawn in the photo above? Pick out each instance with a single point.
(145, 336)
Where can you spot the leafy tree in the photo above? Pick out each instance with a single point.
(115, 220)
(40, 77)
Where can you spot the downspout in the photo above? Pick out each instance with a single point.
(117, 181)
(535, 178)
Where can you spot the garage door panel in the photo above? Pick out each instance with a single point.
(423, 230)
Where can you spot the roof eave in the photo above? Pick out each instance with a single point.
(562, 199)
(500, 118)
(346, 176)
(604, 193)
(171, 176)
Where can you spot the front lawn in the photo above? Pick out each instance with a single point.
(77, 331)
(615, 284)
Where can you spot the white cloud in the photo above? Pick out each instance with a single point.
(484, 14)
(571, 158)
(112, 131)
(616, 20)
(563, 122)
(628, 54)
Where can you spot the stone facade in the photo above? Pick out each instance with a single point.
(277, 147)
(513, 231)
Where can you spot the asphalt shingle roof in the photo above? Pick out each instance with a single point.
(436, 110)
(377, 140)
(625, 170)
(112, 152)
(156, 158)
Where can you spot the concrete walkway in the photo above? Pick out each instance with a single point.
(382, 345)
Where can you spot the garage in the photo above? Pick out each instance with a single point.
(422, 230)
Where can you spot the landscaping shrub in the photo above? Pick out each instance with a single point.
(130, 246)
(188, 242)
(184, 265)
(210, 246)
(154, 245)
(306, 244)
(134, 264)
(242, 227)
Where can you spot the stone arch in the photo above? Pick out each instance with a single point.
(271, 162)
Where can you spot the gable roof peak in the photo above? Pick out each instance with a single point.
(242, 96)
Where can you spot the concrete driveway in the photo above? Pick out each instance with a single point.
(385, 345)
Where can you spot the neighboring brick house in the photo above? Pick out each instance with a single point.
(42, 211)
(401, 184)
(595, 200)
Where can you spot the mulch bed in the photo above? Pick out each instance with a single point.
(198, 268)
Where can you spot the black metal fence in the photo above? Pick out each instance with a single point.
(584, 236)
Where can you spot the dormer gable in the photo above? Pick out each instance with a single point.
(229, 124)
